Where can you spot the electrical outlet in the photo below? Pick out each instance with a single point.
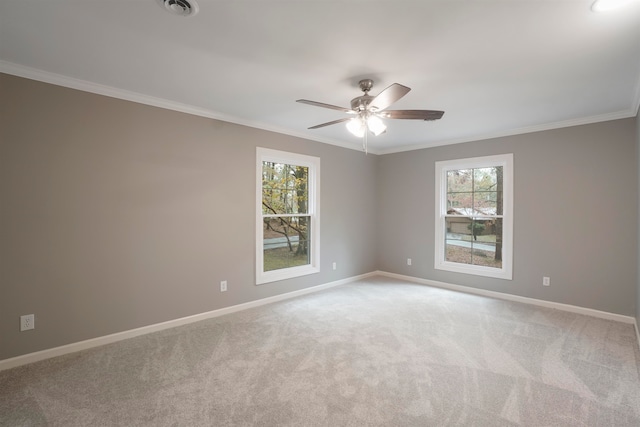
(223, 286)
(408, 261)
(27, 322)
(335, 266)
(546, 281)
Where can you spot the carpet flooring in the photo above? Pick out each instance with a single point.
(378, 352)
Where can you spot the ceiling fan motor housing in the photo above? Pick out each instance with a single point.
(361, 103)
(365, 85)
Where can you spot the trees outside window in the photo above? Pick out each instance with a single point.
(287, 215)
(474, 216)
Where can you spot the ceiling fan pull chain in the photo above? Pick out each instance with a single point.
(364, 141)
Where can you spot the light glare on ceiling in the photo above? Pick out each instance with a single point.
(606, 5)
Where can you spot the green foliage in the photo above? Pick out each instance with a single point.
(284, 188)
(476, 228)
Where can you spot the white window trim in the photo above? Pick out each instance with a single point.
(313, 187)
(504, 160)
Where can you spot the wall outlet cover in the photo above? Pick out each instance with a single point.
(27, 322)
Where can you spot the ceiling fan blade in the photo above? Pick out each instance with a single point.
(323, 105)
(412, 114)
(388, 96)
(330, 123)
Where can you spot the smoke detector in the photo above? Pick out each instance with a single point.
(179, 7)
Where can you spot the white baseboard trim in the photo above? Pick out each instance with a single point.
(119, 336)
(516, 298)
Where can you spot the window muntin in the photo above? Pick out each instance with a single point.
(287, 221)
(474, 216)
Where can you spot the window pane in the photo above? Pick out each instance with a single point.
(457, 253)
(485, 202)
(286, 242)
(460, 203)
(486, 239)
(460, 180)
(284, 188)
(484, 179)
(473, 241)
(277, 201)
(484, 254)
(270, 196)
(457, 240)
(496, 231)
(458, 228)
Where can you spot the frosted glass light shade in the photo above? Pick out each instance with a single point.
(376, 125)
(356, 127)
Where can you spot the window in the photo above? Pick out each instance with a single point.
(287, 220)
(474, 220)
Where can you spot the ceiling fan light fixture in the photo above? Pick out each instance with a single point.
(376, 125)
(607, 5)
(368, 111)
(356, 127)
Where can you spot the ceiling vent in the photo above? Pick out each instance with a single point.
(179, 7)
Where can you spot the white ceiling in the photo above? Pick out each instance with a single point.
(495, 67)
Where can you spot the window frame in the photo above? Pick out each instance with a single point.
(441, 169)
(313, 212)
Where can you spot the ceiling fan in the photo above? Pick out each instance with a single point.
(367, 111)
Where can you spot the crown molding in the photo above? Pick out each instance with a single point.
(126, 95)
(625, 114)
(99, 89)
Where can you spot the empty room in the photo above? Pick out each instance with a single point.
(319, 213)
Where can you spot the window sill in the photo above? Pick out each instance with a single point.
(288, 273)
(474, 270)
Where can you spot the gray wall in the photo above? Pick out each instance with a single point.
(116, 215)
(638, 260)
(575, 214)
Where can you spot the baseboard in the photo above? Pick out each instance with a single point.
(108, 339)
(119, 336)
(516, 298)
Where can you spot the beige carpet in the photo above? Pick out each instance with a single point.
(377, 352)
